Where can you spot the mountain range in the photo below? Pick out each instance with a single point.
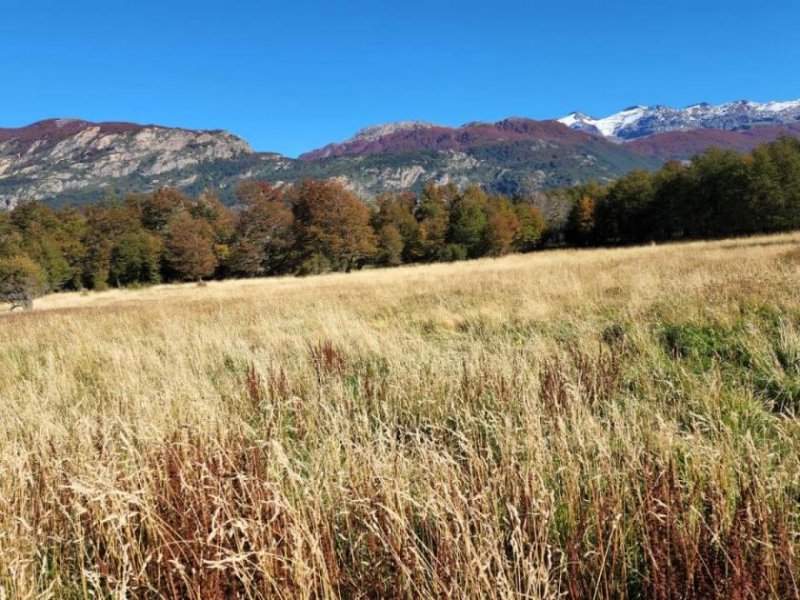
(73, 161)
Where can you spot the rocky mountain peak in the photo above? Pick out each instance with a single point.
(374, 132)
(55, 156)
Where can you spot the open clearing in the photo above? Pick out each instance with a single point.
(589, 424)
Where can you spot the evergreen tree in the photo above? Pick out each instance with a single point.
(720, 200)
(397, 212)
(623, 213)
(672, 193)
(469, 221)
(775, 185)
(433, 215)
(136, 258)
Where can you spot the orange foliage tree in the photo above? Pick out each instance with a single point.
(332, 223)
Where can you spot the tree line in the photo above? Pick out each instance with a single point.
(318, 226)
(718, 193)
(311, 227)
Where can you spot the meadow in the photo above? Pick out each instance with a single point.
(590, 424)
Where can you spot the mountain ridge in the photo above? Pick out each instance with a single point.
(73, 160)
(641, 121)
(440, 137)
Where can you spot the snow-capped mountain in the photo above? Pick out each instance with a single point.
(641, 121)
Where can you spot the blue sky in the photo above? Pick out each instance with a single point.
(291, 76)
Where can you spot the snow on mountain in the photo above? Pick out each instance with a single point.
(609, 126)
(781, 106)
(640, 121)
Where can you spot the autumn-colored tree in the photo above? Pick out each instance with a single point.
(503, 226)
(189, 247)
(333, 222)
(265, 234)
(222, 220)
(10, 237)
(21, 280)
(157, 209)
(48, 241)
(532, 226)
(581, 222)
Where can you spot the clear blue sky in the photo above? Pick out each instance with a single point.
(291, 76)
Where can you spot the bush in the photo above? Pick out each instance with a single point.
(315, 265)
(21, 280)
(452, 252)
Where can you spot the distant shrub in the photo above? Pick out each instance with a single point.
(452, 252)
(315, 265)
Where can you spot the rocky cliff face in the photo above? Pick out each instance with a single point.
(58, 156)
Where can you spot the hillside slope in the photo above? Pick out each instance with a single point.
(67, 161)
(72, 161)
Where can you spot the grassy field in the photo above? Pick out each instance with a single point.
(579, 424)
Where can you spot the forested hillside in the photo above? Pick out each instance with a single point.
(318, 226)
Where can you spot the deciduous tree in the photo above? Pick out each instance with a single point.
(532, 226)
(396, 211)
(581, 222)
(469, 221)
(136, 258)
(265, 232)
(390, 246)
(433, 216)
(503, 226)
(332, 221)
(189, 247)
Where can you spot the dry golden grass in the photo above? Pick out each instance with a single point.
(588, 424)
